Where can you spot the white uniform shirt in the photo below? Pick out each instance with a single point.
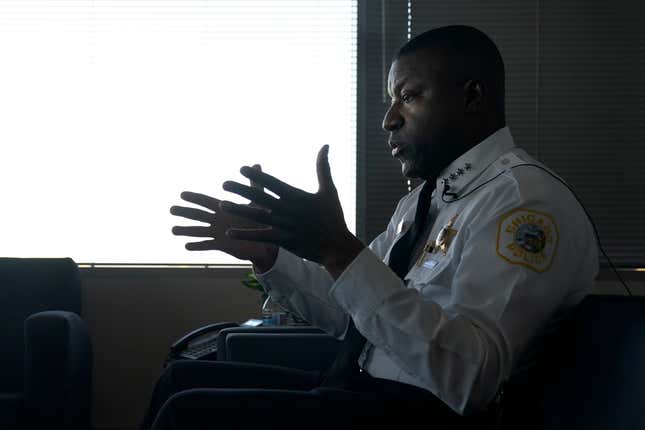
(516, 251)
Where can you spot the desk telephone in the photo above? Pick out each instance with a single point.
(201, 344)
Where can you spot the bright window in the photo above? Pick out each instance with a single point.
(109, 109)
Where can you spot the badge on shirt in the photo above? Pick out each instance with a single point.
(445, 236)
(528, 238)
(440, 244)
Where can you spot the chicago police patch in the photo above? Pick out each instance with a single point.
(528, 238)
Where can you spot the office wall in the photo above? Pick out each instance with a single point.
(133, 315)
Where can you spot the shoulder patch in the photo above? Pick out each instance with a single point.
(528, 238)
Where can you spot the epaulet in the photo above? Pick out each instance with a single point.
(508, 161)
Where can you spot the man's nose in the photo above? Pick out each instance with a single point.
(392, 120)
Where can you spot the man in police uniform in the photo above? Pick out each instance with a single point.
(502, 250)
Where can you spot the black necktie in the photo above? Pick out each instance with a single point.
(346, 362)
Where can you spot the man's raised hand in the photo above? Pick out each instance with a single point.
(311, 226)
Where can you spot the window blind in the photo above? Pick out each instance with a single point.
(111, 108)
(591, 110)
(574, 98)
(383, 30)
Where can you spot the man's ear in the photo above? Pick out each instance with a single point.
(473, 96)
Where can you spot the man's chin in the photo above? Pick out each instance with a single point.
(415, 172)
(409, 172)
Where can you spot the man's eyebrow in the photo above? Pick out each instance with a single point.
(401, 83)
(397, 87)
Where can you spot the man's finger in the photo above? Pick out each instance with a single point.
(270, 182)
(257, 196)
(205, 245)
(325, 182)
(193, 231)
(201, 199)
(255, 184)
(269, 235)
(192, 213)
(260, 216)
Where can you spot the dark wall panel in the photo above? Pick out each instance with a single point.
(592, 105)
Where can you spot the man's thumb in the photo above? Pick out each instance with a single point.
(325, 182)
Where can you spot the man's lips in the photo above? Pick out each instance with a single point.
(397, 147)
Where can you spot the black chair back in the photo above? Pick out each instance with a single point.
(595, 371)
(27, 286)
(591, 375)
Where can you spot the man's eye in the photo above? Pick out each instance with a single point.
(407, 98)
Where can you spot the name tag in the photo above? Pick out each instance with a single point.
(430, 264)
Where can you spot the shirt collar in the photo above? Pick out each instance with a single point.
(471, 164)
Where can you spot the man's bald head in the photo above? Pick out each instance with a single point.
(466, 54)
(447, 95)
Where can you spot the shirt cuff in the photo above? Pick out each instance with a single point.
(364, 285)
(271, 269)
(275, 280)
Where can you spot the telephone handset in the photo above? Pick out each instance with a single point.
(199, 344)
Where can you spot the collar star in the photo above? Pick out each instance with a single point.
(459, 172)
